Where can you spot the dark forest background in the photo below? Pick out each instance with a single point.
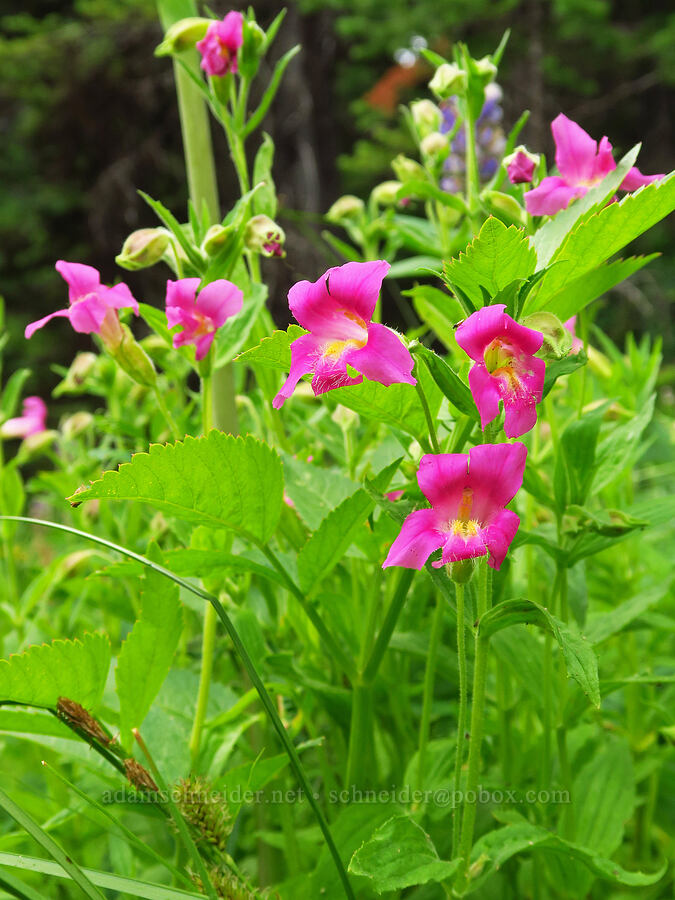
(88, 115)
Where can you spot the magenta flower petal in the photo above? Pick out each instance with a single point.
(219, 300)
(356, 286)
(575, 150)
(203, 345)
(498, 536)
(552, 194)
(384, 358)
(418, 538)
(467, 518)
(40, 323)
(81, 279)
(86, 316)
(635, 179)
(604, 161)
(485, 393)
(490, 322)
(181, 295)
(521, 168)
(119, 296)
(577, 343)
(304, 352)
(33, 420)
(220, 45)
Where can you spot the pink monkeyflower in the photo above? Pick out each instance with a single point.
(337, 311)
(505, 367)
(468, 493)
(33, 420)
(92, 304)
(201, 314)
(520, 166)
(577, 343)
(220, 45)
(582, 163)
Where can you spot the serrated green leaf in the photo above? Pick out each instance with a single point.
(400, 854)
(265, 200)
(232, 336)
(599, 236)
(147, 653)
(218, 480)
(495, 258)
(580, 658)
(273, 352)
(74, 669)
(397, 405)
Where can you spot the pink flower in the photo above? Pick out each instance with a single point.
(467, 518)
(200, 315)
(337, 311)
(577, 343)
(90, 301)
(33, 420)
(393, 496)
(221, 43)
(520, 165)
(505, 367)
(582, 163)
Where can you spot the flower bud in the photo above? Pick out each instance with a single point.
(426, 116)
(504, 206)
(347, 207)
(183, 35)
(407, 169)
(448, 79)
(460, 572)
(216, 238)
(434, 144)
(81, 368)
(250, 53)
(36, 443)
(520, 165)
(557, 339)
(76, 424)
(143, 248)
(262, 235)
(344, 417)
(132, 358)
(385, 194)
(485, 69)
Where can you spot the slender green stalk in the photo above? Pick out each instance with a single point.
(251, 670)
(461, 717)
(429, 681)
(387, 629)
(427, 415)
(360, 736)
(168, 418)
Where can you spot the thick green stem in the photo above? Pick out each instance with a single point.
(461, 718)
(360, 737)
(429, 681)
(472, 182)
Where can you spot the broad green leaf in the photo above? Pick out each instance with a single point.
(400, 854)
(601, 626)
(74, 669)
(415, 267)
(147, 653)
(449, 382)
(125, 887)
(599, 236)
(315, 490)
(420, 235)
(498, 846)
(577, 294)
(604, 797)
(495, 258)
(250, 776)
(63, 864)
(265, 200)
(437, 309)
(550, 236)
(218, 480)
(578, 444)
(580, 658)
(622, 447)
(34, 721)
(232, 336)
(202, 564)
(520, 650)
(274, 351)
(560, 367)
(425, 190)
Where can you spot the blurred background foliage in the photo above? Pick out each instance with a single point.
(89, 115)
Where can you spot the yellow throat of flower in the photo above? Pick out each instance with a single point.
(463, 525)
(335, 349)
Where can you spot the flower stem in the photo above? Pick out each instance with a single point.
(429, 680)
(461, 717)
(387, 629)
(168, 418)
(427, 415)
(360, 736)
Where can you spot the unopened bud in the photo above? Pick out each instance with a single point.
(216, 238)
(434, 144)
(460, 572)
(504, 206)
(76, 716)
(407, 169)
(347, 207)
(35, 444)
(183, 35)
(557, 339)
(344, 417)
(263, 235)
(249, 55)
(132, 358)
(426, 116)
(386, 194)
(448, 79)
(143, 248)
(485, 69)
(520, 165)
(76, 424)
(139, 776)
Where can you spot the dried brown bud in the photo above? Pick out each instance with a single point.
(77, 717)
(139, 776)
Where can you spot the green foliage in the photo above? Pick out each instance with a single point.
(76, 670)
(398, 855)
(218, 480)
